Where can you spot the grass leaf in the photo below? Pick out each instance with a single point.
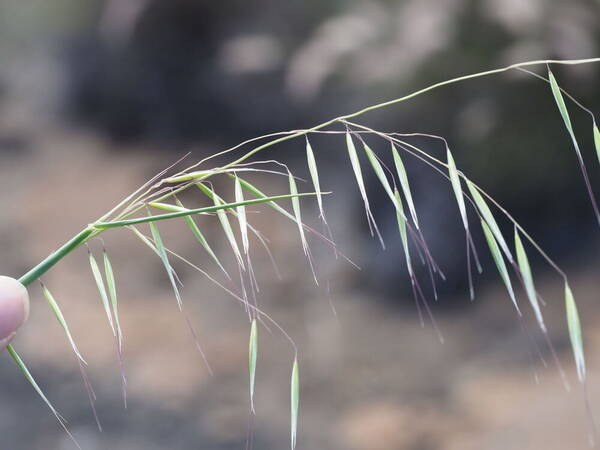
(403, 177)
(489, 218)
(61, 319)
(294, 401)
(314, 175)
(525, 270)
(252, 356)
(102, 291)
(575, 332)
(162, 253)
(499, 260)
(112, 291)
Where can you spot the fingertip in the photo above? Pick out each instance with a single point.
(14, 308)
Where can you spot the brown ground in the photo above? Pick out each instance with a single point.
(371, 377)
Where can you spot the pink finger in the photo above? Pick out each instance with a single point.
(14, 308)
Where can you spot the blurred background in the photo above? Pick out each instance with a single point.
(97, 96)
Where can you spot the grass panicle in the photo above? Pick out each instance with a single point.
(202, 239)
(355, 163)
(460, 200)
(560, 103)
(298, 219)
(457, 188)
(252, 357)
(63, 322)
(403, 177)
(575, 334)
(27, 374)
(297, 211)
(225, 225)
(401, 219)
(314, 175)
(499, 261)
(112, 292)
(102, 290)
(241, 215)
(487, 215)
(168, 207)
(258, 193)
(597, 140)
(173, 275)
(162, 253)
(80, 360)
(564, 112)
(294, 401)
(526, 275)
(380, 173)
(165, 186)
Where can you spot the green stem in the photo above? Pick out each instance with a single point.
(56, 256)
(189, 212)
